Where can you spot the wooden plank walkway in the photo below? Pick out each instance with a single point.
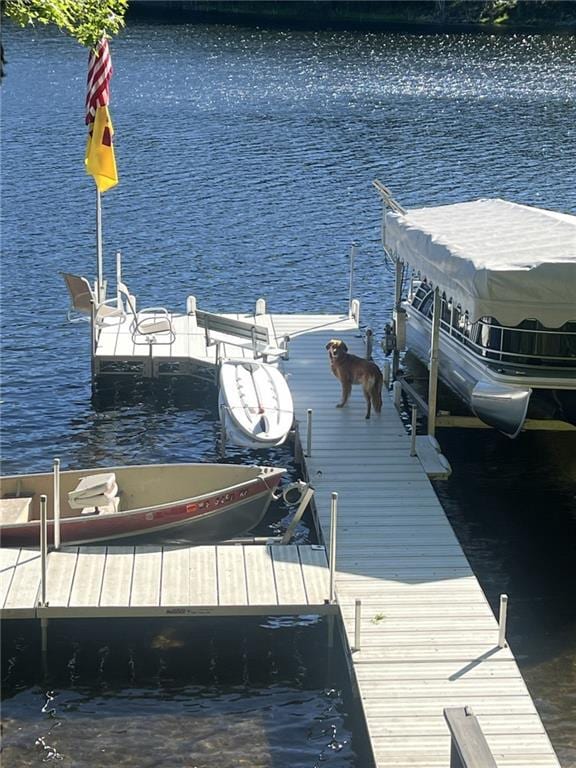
(429, 639)
(99, 581)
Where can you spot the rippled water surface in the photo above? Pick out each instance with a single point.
(246, 160)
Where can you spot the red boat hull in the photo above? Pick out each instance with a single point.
(214, 517)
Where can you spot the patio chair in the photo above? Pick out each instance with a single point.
(151, 325)
(83, 300)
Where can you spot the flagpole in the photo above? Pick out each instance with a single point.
(100, 291)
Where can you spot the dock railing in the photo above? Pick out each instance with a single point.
(469, 748)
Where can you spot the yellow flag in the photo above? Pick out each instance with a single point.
(100, 161)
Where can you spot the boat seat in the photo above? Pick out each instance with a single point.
(16, 510)
(152, 325)
(95, 491)
(84, 303)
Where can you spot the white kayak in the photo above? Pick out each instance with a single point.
(255, 403)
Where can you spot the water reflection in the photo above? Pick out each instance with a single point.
(214, 693)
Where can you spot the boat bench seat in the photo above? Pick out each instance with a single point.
(15, 510)
(257, 336)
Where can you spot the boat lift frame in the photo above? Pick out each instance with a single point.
(429, 407)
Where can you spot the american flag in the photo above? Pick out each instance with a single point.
(99, 74)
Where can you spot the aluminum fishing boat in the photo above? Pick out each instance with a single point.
(506, 280)
(205, 502)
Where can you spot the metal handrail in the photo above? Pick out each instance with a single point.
(501, 354)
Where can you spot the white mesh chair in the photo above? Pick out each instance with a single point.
(151, 325)
(83, 299)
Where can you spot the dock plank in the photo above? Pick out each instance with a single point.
(315, 574)
(8, 560)
(175, 576)
(146, 576)
(203, 578)
(60, 571)
(289, 580)
(23, 593)
(117, 579)
(260, 577)
(87, 586)
(232, 589)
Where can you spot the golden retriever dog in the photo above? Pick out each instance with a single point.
(350, 369)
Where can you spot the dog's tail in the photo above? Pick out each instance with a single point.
(377, 391)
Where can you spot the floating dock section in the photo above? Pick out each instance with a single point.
(134, 581)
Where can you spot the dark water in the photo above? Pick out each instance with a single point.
(246, 160)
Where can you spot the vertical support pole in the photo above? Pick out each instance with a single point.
(386, 373)
(413, 435)
(333, 524)
(286, 355)
(502, 621)
(93, 330)
(353, 252)
(44, 645)
(433, 369)
(357, 621)
(309, 432)
(99, 257)
(43, 548)
(369, 343)
(118, 277)
(397, 302)
(118, 266)
(223, 437)
(397, 395)
(330, 619)
(56, 504)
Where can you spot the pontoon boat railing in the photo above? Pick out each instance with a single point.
(502, 355)
(502, 337)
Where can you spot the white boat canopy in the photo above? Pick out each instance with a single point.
(494, 258)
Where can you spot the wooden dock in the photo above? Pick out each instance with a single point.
(130, 581)
(428, 638)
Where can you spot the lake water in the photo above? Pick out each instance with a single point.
(246, 158)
